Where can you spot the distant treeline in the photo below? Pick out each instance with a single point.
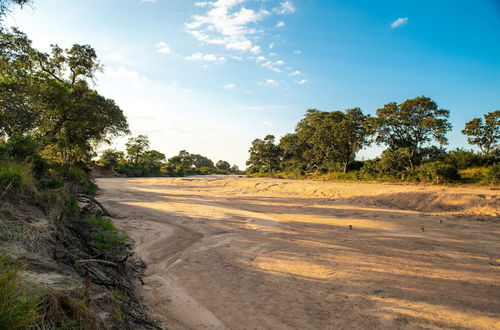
(138, 160)
(414, 132)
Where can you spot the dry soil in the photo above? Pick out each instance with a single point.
(239, 253)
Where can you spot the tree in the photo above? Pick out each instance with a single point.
(264, 154)
(136, 147)
(48, 97)
(410, 125)
(111, 158)
(223, 165)
(350, 134)
(485, 135)
(327, 138)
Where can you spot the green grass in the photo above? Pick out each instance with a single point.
(106, 236)
(15, 175)
(19, 308)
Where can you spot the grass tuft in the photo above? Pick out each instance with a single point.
(19, 308)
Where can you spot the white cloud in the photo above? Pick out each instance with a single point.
(400, 21)
(297, 52)
(271, 45)
(223, 24)
(274, 66)
(162, 48)
(295, 73)
(301, 82)
(229, 86)
(260, 59)
(205, 57)
(149, 0)
(272, 54)
(135, 79)
(280, 24)
(268, 83)
(268, 123)
(201, 4)
(286, 7)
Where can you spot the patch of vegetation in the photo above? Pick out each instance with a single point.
(19, 307)
(15, 175)
(106, 237)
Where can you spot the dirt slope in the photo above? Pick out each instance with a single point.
(238, 253)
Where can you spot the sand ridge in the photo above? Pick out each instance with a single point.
(239, 253)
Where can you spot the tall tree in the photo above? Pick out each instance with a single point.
(325, 138)
(136, 147)
(48, 96)
(411, 125)
(485, 135)
(264, 154)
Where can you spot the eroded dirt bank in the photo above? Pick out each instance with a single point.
(239, 253)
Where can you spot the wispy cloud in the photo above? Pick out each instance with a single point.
(205, 57)
(230, 86)
(274, 66)
(149, 0)
(301, 82)
(295, 73)
(286, 7)
(162, 48)
(268, 83)
(400, 21)
(297, 52)
(280, 24)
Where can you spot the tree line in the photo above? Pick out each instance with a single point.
(139, 160)
(414, 133)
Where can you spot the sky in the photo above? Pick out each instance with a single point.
(211, 76)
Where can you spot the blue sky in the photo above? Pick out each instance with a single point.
(211, 76)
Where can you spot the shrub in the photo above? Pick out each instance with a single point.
(74, 173)
(106, 236)
(493, 174)
(439, 172)
(15, 175)
(18, 308)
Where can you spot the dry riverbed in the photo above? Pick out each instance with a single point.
(240, 253)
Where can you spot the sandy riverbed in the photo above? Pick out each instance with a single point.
(239, 253)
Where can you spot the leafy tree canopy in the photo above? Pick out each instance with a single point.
(485, 135)
(411, 124)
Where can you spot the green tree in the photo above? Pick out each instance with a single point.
(485, 135)
(264, 154)
(111, 158)
(136, 147)
(411, 125)
(48, 97)
(327, 138)
(222, 165)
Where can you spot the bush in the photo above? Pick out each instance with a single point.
(493, 174)
(438, 172)
(74, 173)
(106, 237)
(18, 308)
(15, 175)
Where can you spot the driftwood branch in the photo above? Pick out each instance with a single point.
(104, 262)
(90, 199)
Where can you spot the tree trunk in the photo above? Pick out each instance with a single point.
(345, 167)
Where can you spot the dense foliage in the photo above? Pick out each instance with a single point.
(139, 160)
(414, 133)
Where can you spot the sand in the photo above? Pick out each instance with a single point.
(240, 253)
